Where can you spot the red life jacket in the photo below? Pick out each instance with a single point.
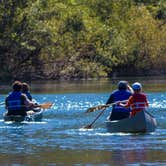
(139, 102)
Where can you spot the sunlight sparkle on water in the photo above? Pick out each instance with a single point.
(156, 104)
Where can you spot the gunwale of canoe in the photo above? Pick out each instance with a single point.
(141, 122)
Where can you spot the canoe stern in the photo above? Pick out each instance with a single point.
(142, 122)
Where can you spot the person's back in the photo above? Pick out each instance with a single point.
(18, 103)
(15, 101)
(122, 94)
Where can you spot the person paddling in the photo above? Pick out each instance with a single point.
(138, 101)
(26, 90)
(16, 102)
(123, 92)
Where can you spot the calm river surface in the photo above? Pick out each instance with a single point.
(59, 139)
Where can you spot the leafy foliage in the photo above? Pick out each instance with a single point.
(69, 39)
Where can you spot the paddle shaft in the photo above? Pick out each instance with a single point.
(104, 108)
(100, 107)
(107, 105)
(90, 125)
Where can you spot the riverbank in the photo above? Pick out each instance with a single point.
(150, 84)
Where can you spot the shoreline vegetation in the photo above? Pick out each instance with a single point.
(82, 39)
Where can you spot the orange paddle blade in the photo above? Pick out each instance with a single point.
(46, 105)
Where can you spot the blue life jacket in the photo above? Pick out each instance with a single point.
(120, 95)
(15, 104)
(28, 95)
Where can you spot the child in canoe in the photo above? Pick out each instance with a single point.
(138, 101)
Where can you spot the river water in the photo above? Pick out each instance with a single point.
(60, 139)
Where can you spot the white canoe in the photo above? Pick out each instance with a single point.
(37, 116)
(141, 122)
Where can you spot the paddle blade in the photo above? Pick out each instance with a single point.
(88, 127)
(46, 105)
(96, 108)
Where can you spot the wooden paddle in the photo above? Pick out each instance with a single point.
(90, 125)
(100, 107)
(45, 105)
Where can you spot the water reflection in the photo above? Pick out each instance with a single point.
(151, 84)
(88, 157)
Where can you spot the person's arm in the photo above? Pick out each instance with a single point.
(128, 104)
(27, 102)
(130, 88)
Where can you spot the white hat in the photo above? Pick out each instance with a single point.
(137, 86)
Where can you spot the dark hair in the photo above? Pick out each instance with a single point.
(25, 87)
(122, 85)
(17, 86)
